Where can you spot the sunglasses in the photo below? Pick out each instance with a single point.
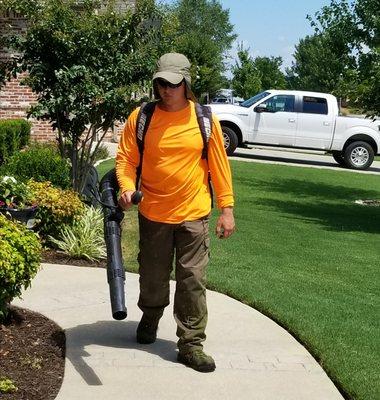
(164, 84)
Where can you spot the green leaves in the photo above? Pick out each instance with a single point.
(20, 254)
(250, 76)
(203, 33)
(349, 35)
(86, 68)
(84, 237)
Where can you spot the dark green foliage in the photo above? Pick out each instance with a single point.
(352, 29)
(246, 80)
(204, 34)
(270, 74)
(320, 64)
(251, 76)
(42, 162)
(14, 134)
(20, 254)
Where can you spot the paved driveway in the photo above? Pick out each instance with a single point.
(304, 158)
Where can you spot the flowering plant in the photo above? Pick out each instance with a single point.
(14, 194)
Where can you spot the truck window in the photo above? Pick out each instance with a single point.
(314, 105)
(254, 99)
(281, 102)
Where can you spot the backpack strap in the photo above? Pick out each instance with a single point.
(143, 120)
(204, 117)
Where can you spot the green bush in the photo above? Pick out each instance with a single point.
(42, 162)
(56, 207)
(20, 256)
(14, 135)
(101, 153)
(84, 238)
(14, 194)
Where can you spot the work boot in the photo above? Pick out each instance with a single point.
(197, 360)
(146, 332)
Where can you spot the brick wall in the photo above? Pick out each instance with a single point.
(15, 98)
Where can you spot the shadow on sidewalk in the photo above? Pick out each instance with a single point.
(109, 334)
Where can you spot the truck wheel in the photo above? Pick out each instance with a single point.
(338, 157)
(230, 140)
(359, 155)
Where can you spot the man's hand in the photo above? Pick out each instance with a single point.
(225, 226)
(125, 201)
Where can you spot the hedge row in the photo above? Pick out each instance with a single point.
(14, 134)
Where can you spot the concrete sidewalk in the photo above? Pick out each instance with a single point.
(256, 359)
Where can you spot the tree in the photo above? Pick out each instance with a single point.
(246, 80)
(357, 25)
(250, 76)
(86, 68)
(270, 74)
(319, 65)
(204, 34)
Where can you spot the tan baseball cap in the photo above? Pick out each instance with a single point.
(175, 67)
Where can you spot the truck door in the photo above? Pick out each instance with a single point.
(315, 123)
(274, 121)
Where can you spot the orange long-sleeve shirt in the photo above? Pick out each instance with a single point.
(174, 178)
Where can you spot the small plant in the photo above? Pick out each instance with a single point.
(33, 361)
(20, 256)
(7, 385)
(56, 207)
(84, 238)
(14, 194)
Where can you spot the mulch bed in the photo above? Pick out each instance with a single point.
(32, 347)
(57, 257)
(32, 355)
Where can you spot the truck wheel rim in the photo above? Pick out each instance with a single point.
(226, 139)
(359, 156)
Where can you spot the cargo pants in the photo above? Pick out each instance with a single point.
(188, 242)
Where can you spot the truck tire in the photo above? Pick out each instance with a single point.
(338, 157)
(230, 140)
(359, 155)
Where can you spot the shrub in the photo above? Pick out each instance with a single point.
(20, 256)
(101, 153)
(42, 162)
(56, 207)
(14, 194)
(14, 134)
(84, 238)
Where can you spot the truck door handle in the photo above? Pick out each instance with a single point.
(292, 120)
(326, 123)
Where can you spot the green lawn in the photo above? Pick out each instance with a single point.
(308, 257)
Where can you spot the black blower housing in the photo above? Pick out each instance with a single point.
(113, 215)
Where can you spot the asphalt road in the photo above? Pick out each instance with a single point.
(304, 158)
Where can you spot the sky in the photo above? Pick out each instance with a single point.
(270, 27)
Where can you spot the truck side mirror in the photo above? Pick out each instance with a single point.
(261, 108)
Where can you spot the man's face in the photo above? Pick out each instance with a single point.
(171, 94)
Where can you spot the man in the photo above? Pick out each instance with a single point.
(174, 212)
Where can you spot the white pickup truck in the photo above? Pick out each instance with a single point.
(308, 120)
